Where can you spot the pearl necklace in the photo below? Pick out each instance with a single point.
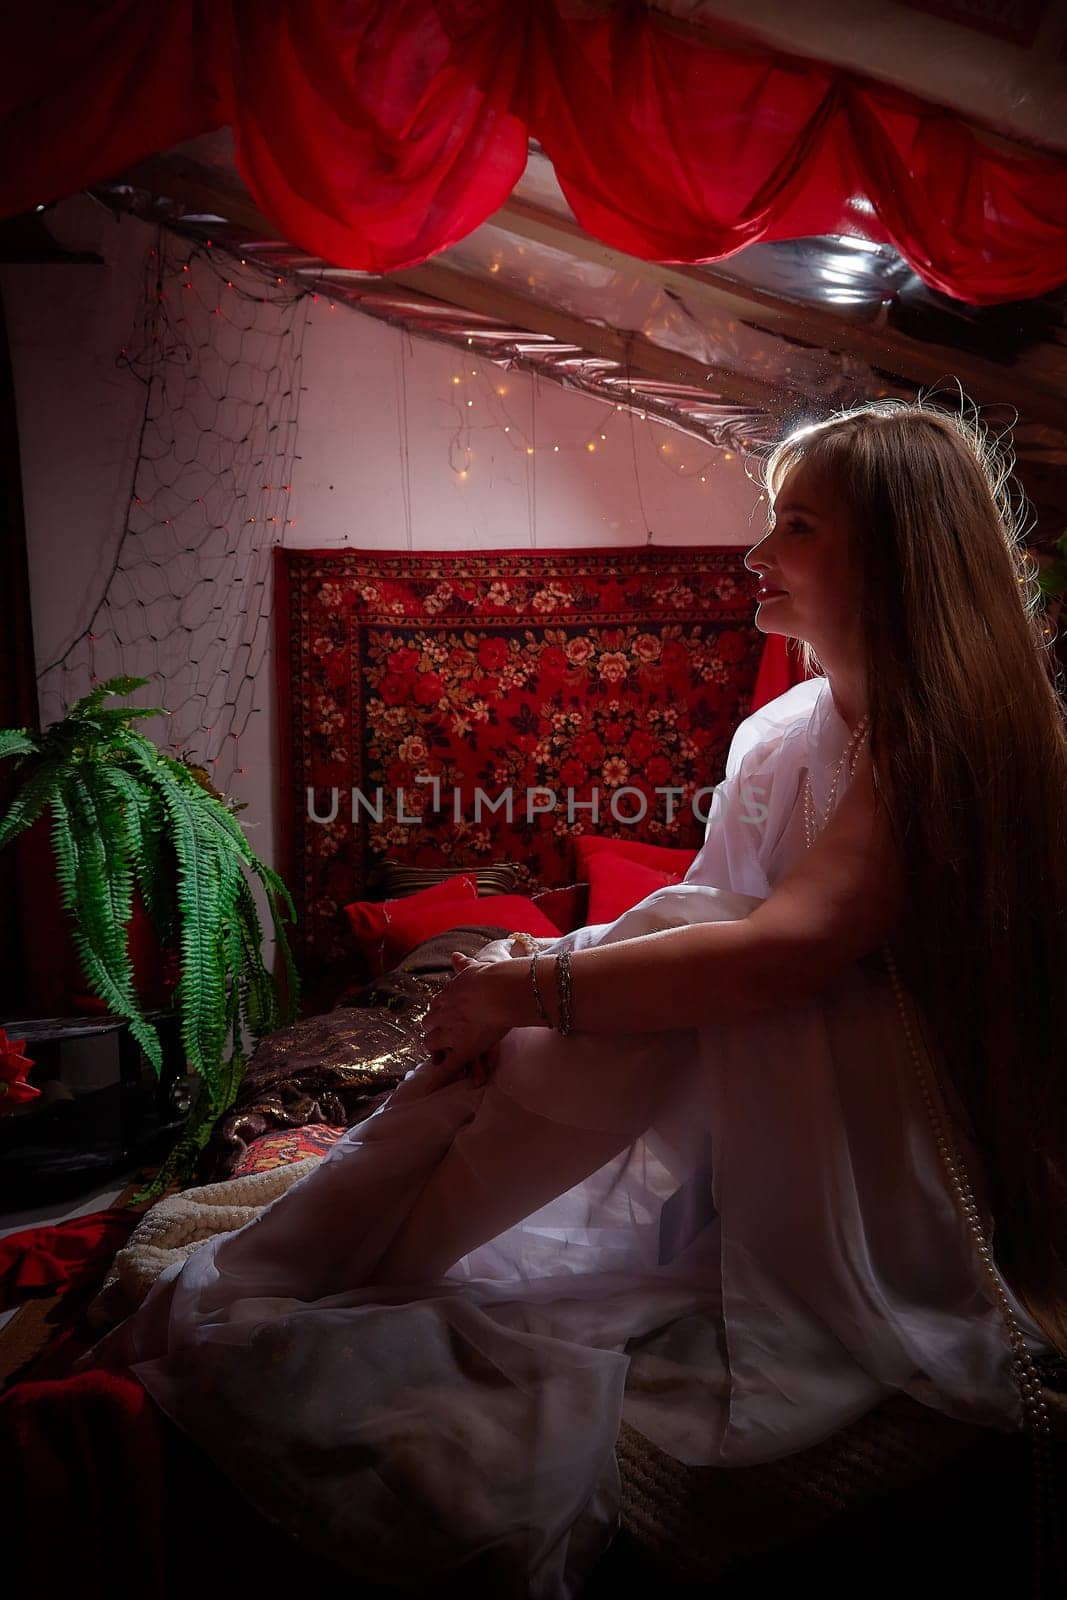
(1035, 1411)
(851, 755)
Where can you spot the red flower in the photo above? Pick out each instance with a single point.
(428, 688)
(403, 660)
(394, 689)
(552, 661)
(493, 653)
(13, 1069)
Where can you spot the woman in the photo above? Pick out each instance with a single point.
(419, 1356)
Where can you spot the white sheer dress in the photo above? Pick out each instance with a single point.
(738, 1239)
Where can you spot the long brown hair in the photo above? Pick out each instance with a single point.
(968, 740)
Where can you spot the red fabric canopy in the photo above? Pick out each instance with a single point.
(375, 135)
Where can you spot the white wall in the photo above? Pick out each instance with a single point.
(382, 435)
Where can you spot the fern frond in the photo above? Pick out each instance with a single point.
(90, 703)
(17, 742)
(262, 1012)
(65, 851)
(143, 822)
(216, 816)
(276, 890)
(101, 912)
(209, 880)
(37, 791)
(103, 725)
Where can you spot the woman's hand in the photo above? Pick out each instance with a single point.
(463, 1025)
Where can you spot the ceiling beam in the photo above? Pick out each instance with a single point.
(632, 351)
(884, 348)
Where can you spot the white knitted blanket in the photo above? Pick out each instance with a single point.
(179, 1224)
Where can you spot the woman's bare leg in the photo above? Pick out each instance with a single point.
(500, 1167)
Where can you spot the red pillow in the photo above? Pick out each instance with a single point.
(616, 883)
(665, 858)
(369, 919)
(408, 925)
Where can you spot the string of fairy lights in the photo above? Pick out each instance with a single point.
(694, 457)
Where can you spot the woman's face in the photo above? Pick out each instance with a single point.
(810, 554)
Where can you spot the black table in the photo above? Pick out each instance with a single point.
(69, 1146)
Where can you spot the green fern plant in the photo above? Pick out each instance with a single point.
(123, 813)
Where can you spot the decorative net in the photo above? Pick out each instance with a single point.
(185, 601)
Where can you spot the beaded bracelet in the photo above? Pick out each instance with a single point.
(542, 1013)
(563, 984)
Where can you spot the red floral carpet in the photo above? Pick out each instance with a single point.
(408, 682)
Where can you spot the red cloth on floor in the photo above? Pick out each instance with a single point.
(69, 1259)
(105, 1499)
(62, 1255)
(80, 1476)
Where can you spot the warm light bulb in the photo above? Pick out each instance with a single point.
(457, 380)
(603, 435)
(502, 391)
(555, 447)
(529, 449)
(506, 428)
(470, 402)
(590, 445)
(729, 455)
(463, 472)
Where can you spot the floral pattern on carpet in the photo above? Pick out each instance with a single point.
(411, 681)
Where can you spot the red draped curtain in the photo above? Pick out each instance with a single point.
(375, 133)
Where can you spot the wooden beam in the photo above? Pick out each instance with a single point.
(892, 352)
(632, 351)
